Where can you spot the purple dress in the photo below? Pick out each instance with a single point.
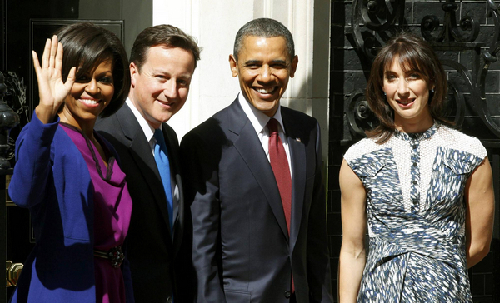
(112, 211)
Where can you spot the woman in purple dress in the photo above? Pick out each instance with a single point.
(68, 176)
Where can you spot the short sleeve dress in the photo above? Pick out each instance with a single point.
(415, 185)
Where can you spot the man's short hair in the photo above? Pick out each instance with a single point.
(263, 27)
(162, 35)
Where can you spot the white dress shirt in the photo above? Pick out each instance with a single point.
(149, 132)
(259, 122)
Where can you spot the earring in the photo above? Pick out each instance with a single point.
(432, 90)
(385, 95)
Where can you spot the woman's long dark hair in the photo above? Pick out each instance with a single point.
(86, 45)
(413, 54)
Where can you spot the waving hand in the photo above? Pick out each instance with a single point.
(52, 90)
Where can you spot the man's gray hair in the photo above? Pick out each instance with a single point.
(263, 27)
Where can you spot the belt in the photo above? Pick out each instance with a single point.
(114, 255)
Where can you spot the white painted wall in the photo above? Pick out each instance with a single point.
(215, 23)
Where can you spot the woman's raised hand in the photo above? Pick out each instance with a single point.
(51, 89)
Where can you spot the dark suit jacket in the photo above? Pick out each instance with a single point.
(241, 248)
(157, 264)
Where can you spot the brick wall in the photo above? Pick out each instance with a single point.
(349, 71)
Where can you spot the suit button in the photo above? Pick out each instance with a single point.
(288, 294)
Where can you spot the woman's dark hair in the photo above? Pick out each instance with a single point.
(85, 46)
(413, 54)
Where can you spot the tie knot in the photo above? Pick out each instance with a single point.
(272, 125)
(158, 134)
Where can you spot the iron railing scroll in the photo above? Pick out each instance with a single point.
(8, 120)
(374, 22)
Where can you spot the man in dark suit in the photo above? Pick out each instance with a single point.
(162, 62)
(258, 203)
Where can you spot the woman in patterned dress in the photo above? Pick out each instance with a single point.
(68, 176)
(420, 189)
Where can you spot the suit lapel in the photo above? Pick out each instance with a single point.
(142, 155)
(247, 144)
(298, 159)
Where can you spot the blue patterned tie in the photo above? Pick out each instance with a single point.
(163, 165)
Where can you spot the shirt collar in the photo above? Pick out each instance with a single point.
(257, 118)
(146, 128)
(418, 136)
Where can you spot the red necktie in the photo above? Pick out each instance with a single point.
(281, 170)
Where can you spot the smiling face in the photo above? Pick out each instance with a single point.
(160, 87)
(407, 94)
(263, 69)
(89, 95)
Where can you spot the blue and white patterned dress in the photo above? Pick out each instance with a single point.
(416, 211)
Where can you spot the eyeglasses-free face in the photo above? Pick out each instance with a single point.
(263, 70)
(89, 95)
(408, 95)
